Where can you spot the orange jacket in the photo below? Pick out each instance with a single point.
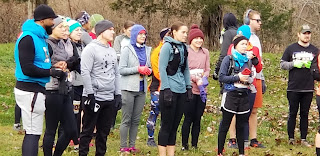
(155, 67)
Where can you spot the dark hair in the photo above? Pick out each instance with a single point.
(79, 15)
(175, 26)
(128, 24)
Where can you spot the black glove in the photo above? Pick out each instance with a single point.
(215, 75)
(56, 73)
(264, 86)
(255, 61)
(189, 94)
(89, 101)
(73, 63)
(167, 95)
(118, 102)
(63, 86)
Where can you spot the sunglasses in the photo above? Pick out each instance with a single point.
(258, 20)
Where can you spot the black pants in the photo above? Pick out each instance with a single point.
(304, 100)
(318, 105)
(224, 127)
(17, 114)
(59, 109)
(171, 115)
(192, 115)
(102, 120)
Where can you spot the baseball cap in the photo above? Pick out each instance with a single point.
(305, 28)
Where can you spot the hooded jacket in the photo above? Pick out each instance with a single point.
(99, 70)
(179, 81)
(38, 72)
(129, 63)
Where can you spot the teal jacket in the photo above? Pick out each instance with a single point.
(42, 56)
(180, 81)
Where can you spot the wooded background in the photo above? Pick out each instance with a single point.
(281, 18)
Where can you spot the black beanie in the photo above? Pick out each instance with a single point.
(238, 39)
(43, 12)
(102, 26)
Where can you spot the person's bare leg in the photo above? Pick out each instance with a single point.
(317, 141)
(171, 150)
(232, 128)
(253, 123)
(162, 150)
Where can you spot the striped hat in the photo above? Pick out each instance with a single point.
(73, 24)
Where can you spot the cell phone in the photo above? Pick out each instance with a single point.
(246, 71)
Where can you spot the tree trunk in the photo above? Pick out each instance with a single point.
(30, 8)
(38, 2)
(210, 24)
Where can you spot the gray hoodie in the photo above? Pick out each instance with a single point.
(99, 71)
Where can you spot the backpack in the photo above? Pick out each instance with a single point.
(174, 64)
(315, 68)
(231, 69)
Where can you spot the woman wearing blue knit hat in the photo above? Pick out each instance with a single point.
(134, 67)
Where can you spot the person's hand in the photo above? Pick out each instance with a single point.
(307, 64)
(243, 78)
(57, 73)
(298, 63)
(250, 55)
(189, 94)
(61, 65)
(167, 95)
(118, 102)
(89, 101)
(144, 70)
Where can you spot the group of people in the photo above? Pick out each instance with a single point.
(76, 74)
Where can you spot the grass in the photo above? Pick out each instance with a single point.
(271, 122)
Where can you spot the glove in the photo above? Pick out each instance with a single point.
(118, 102)
(189, 94)
(298, 63)
(63, 86)
(307, 64)
(255, 61)
(144, 70)
(167, 95)
(56, 73)
(90, 102)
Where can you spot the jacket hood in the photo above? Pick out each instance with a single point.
(172, 40)
(134, 33)
(229, 20)
(35, 28)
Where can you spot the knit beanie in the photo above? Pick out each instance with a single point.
(84, 19)
(102, 26)
(163, 32)
(73, 24)
(94, 19)
(195, 32)
(237, 39)
(245, 31)
(43, 12)
(57, 21)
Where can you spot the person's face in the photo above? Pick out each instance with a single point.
(181, 34)
(255, 22)
(59, 31)
(242, 46)
(66, 33)
(127, 31)
(76, 34)
(108, 34)
(304, 37)
(197, 42)
(47, 24)
(141, 38)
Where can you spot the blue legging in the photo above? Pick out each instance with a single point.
(155, 110)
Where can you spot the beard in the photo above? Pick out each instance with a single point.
(48, 29)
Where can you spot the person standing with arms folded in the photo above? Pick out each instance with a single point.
(199, 65)
(154, 90)
(297, 59)
(33, 71)
(175, 86)
(134, 68)
(101, 88)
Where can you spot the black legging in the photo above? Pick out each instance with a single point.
(171, 115)
(59, 109)
(17, 114)
(224, 127)
(192, 115)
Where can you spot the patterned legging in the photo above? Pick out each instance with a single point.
(155, 110)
